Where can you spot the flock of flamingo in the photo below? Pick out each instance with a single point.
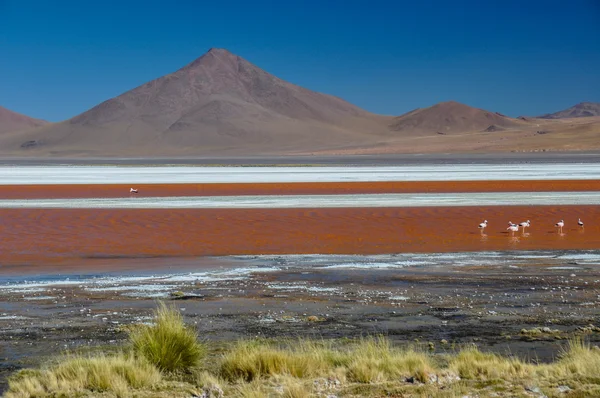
(511, 226)
(526, 224)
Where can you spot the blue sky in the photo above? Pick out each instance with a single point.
(60, 58)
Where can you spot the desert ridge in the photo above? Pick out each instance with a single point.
(13, 122)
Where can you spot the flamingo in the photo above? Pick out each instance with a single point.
(483, 224)
(525, 224)
(510, 223)
(513, 228)
(580, 223)
(132, 190)
(560, 225)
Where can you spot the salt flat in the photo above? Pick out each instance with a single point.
(317, 201)
(20, 175)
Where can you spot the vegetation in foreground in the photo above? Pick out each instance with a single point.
(167, 360)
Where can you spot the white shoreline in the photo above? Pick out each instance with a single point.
(315, 201)
(20, 175)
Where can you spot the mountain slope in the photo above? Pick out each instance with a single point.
(220, 102)
(12, 121)
(583, 109)
(450, 118)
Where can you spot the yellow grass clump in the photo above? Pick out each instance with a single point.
(169, 343)
(118, 374)
(471, 363)
(375, 360)
(250, 360)
(371, 360)
(578, 363)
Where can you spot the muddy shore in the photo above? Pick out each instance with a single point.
(495, 300)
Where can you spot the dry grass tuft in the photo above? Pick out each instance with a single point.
(169, 343)
(473, 364)
(374, 360)
(255, 389)
(251, 360)
(118, 374)
(579, 363)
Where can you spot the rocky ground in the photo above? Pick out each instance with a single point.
(525, 304)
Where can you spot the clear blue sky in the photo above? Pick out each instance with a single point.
(59, 58)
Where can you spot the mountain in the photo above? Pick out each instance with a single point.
(12, 121)
(583, 109)
(451, 118)
(220, 103)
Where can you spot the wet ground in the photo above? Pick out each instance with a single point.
(487, 298)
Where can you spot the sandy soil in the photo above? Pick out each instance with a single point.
(297, 188)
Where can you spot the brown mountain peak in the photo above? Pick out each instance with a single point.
(583, 109)
(217, 102)
(452, 105)
(214, 56)
(13, 121)
(449, 117)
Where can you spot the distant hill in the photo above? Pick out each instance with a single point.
(450, 118)
(583, 109)
(12, 121)
(220, 103)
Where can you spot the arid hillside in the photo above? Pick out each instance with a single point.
(449, 118)
(583, 109)
(12, 121)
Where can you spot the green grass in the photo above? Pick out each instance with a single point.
(165, 360)
(168, 344)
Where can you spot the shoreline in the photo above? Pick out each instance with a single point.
(322, 160)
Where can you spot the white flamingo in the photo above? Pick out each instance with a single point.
(580, 223)
(513, 228)
(525, 224)
(483, 225)
(132, 190)
(560, 225)
(510, 223)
